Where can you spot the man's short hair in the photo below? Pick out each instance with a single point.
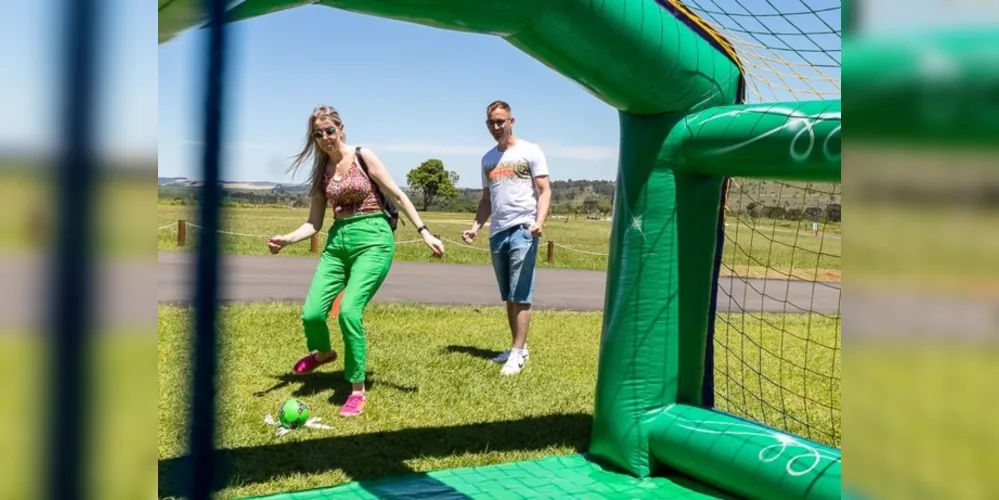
(497, 104)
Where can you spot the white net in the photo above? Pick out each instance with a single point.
(777, 338)
(790, 49)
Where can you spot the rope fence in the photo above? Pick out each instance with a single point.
(182, 226)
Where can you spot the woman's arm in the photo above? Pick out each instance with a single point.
(317, 212)
(378, 173)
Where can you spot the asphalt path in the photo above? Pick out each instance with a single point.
(257, 278)
(125, 294)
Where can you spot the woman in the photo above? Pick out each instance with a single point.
(359, 247)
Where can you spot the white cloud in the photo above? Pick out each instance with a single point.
(552, 150)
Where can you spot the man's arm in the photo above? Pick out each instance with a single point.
(485, 207)
(483, 212)
(544, 186)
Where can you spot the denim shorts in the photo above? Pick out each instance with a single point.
(514, 252)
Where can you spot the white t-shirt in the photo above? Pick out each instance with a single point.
(509, 175)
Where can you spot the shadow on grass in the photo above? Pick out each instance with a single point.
(474, 352)
(383, 454)
(310, 384)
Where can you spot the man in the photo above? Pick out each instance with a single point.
(516, 192)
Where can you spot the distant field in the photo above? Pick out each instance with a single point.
(761, 248)
(744, 191)
(123, 208)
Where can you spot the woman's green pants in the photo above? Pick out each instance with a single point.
(358, 254)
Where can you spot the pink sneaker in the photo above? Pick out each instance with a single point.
(354, 405)
(310, 363)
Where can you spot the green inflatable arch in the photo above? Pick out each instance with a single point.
(679, 88)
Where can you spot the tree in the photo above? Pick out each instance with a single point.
(432, 181)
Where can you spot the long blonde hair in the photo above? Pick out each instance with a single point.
(319, 157)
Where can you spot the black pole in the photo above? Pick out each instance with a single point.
(205, 472)
(70, 324)
(851, 17)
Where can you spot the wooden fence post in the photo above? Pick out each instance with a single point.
(551, 251)
(181, 232)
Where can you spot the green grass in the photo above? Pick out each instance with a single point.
(781, 370)
(773, 249)
(435, 401)
(922, 418)
(118, 461)
(122, 211)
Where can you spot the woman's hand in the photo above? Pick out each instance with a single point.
(435, 244)
(276, 243)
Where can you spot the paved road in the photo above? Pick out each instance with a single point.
(252, 278)
(125, 294)
(121, 290)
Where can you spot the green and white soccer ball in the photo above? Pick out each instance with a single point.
(293, 414)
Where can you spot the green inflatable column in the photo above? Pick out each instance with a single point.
(698, 201)
(637, 371)
(656, 310)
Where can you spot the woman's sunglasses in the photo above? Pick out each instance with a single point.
(319, 133)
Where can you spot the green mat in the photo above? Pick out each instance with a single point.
(570, 476)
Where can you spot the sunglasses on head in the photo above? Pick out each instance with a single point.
(319, 133)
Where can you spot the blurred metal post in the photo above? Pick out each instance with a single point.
(850, 17)
(70, 323)
(204, 472)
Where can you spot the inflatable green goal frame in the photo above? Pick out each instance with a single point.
(679, 87)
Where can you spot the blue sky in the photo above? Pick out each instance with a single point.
(127, 77)
(407, 91)
(370, 68)
(284, 64)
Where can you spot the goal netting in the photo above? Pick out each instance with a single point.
(777, 337)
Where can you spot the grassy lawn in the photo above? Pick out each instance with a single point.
(123, 209)
(754, 248)
(435, 400)
(922, 419)
(783, 370)
(119, 458)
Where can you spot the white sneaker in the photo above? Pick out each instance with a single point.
(514, 363)
(502, 357)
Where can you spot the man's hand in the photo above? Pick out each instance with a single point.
(535, 230)
(468, 236)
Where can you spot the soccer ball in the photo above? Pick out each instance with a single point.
(293, 414)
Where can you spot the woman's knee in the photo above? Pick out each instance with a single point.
(350, 317)
(311, 317)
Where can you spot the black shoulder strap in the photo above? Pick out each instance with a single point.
(360, 159)
(364, 166)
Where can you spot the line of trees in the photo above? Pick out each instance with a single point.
(434, 188)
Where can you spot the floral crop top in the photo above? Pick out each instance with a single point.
(352, 194)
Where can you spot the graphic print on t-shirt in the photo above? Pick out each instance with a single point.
(509, 171)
